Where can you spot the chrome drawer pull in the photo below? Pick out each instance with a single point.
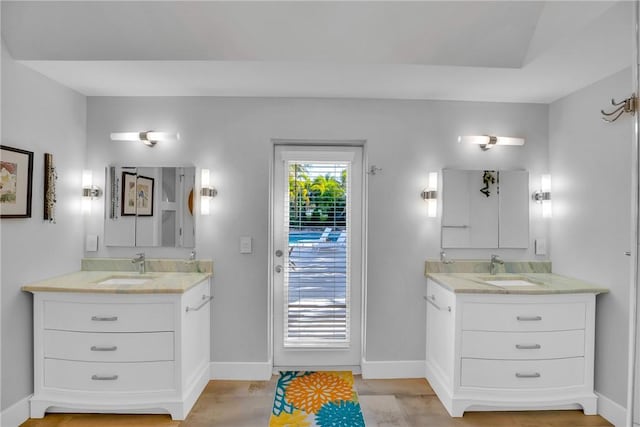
(103, 378)
(98, 348)
(528, 346)
(529, 318)
(432, 300)
(205, 300)
(531, 375)
(104, 318)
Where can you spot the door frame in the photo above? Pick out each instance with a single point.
(363, 224)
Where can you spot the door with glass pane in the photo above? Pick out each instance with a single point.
(317, 242)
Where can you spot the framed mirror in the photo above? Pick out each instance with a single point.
(149, 206)
(485, 209)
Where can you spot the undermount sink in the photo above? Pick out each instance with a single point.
(131, 281)
(508, 281)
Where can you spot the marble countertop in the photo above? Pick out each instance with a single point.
(542, 283)
(90, 282)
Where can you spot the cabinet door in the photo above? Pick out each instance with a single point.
(196, 331)
(440, 331)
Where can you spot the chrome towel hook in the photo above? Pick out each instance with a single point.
(628, 105)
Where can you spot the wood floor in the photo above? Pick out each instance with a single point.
(385, 403)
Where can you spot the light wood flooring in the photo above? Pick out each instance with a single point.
(385, 403)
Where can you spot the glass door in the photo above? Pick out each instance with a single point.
(317, 271)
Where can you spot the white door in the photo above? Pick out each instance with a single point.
(317, 242)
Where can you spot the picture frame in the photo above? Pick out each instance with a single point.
(128, 191)
(144, 193)
(16, 181)
(50, 177)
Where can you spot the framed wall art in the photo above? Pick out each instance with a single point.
(128, 205)
(16, 178)
(145, 196)
(50, 177)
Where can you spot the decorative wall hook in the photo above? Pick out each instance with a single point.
(628, 105)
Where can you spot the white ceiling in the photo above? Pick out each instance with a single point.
(513, 51)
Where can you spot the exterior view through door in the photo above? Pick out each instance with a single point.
(317, 242)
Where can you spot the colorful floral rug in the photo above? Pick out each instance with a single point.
(316, 399)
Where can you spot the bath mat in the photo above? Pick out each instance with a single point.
(316, 399)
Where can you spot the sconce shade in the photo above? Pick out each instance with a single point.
(89, 191)
(543, 196)
(430, 195)
(487, 141)
(207, 192)
(149, 138)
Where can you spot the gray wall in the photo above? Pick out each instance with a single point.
(40, 116)
(232, 137)
(591, 229)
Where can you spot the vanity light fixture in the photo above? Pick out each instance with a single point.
(487, 141)
(89, 191)
(149, 138)
(207, 192)
(430, 195)
(543, 196)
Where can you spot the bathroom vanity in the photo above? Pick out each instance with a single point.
(517, 341)
(123, 342)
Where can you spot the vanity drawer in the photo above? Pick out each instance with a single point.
(109, 346)
(108, 317)
(522, 374)
(91, 376)
(523, 317)
(523, 345)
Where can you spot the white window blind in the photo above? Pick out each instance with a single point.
(316, 279)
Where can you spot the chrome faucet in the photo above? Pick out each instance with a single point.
(495, 260)
(443, 258)
(139, 258)
(192, 255)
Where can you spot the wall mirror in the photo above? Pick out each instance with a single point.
(485, 209)
(149, 206)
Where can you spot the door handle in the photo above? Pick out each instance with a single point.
(279, 253)
(278, 269)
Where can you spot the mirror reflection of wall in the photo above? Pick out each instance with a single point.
(485, 209)
(149, 206)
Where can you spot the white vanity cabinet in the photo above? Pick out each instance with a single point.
(489, 351)
(121, 352)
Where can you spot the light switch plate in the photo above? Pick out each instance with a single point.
(91, 243)
(541, 246)
(245, 245)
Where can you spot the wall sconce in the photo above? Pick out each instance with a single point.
(89, 191)
(207, 192)
(149, 138)
(543, 196)
(430, 195)
(487, 141)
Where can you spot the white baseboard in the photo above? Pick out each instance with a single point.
(15, 414)
(611, 411)
(249, 371)
(392, 369)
